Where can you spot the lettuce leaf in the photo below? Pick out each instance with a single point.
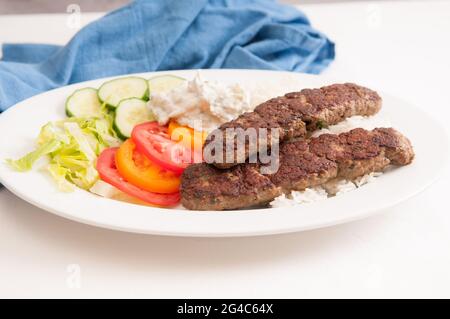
(59, 174)
(26, 162)
(73, 146)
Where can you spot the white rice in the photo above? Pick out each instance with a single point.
(270, 88)
(340, 187)
(309, 195)
(368, 178)
(365, 122)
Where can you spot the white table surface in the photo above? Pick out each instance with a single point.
(399, 47)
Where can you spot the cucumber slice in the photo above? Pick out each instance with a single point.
(164, 83)
(114, 91)
(83, 103)
(129, 113)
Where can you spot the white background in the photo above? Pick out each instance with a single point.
(401, 47)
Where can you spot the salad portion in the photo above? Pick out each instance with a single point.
(110, 143)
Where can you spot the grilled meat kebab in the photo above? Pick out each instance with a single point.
(303, 163)
(295, 114)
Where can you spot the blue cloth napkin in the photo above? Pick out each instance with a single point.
(150, 35)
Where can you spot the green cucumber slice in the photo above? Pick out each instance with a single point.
(114, 91)
(129, 113)
(83, 103)
(164, 83)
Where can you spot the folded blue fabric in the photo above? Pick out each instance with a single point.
(150, 35)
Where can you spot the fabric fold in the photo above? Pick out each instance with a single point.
(150, 35)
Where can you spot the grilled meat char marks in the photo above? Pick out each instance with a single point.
(293, 114)
(331, 104)
(299, 168)
(359, 152)
(273, 116)
(303, 163)
(205, 187)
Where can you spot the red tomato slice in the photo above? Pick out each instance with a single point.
(106, 167)
(138, 170)
(153, 141)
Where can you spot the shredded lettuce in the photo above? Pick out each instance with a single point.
(59, 174)
(73, 146)
(84, 143)
(26, 163)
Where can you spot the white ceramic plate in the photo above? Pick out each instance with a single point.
(20, 125)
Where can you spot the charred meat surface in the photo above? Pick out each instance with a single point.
(293, 114)
(205, 187)
(303, 163)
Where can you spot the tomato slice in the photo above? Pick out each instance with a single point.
(138, 170)
(108, 172)
(153, 141)
(187, 135)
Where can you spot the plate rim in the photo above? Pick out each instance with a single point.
(368, 212)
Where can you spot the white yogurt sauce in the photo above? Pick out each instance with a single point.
(202, 105)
